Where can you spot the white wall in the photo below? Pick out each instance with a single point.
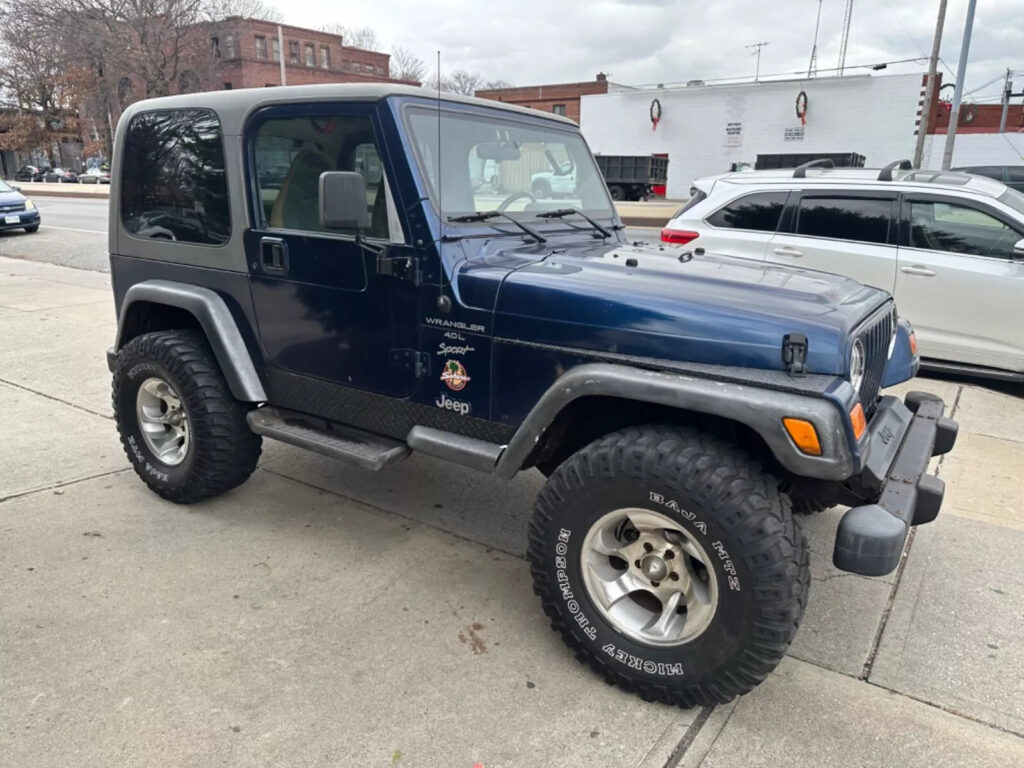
(976, 149)
(872, 115)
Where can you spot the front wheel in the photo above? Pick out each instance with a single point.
(33, 228)
(183, 432)
(670, 563)
(617, 192)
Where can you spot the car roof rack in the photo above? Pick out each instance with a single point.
(886, 173)
(801, 170)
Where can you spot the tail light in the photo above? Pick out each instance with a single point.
(678, 236)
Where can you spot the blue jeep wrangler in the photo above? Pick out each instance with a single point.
(366, 270)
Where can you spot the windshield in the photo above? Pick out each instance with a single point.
(517, 167)
(1014, 199)
(5, 188)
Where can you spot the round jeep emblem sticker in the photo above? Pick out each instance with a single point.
(454, 375)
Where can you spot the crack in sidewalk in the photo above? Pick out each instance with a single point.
(68, 403)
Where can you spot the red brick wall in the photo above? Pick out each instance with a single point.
(545, 97)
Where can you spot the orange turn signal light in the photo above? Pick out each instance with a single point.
(804, 435)
(859, 422)
(913, 343)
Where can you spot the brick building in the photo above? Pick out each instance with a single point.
(248, 53)
(560, 99)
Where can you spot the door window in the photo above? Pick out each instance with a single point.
(956, 228)
(291, 153)
(759, 212)
(173, 185)
(860, 219)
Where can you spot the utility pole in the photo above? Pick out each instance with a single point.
(812, 70)
(958, 93)
(280, 51)
(757, 52)
(1007, 93)
(929, 89)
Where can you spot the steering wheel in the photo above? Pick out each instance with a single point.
(513, 197)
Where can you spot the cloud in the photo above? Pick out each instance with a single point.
(662, 41)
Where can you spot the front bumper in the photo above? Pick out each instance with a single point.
(25, 219)
(904, 438)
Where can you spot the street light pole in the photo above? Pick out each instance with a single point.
(929, 90)
(961, 73)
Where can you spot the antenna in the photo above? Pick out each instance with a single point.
(757, 52)
(439, 205)
(812, 70)
(845, 38)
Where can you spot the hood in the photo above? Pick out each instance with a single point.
(12, 197)
(650, 301)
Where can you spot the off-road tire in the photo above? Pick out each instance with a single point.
(698, 481)
(617, 193)
(223, 450)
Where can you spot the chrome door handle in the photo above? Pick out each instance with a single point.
(918, 270)
(787, 251)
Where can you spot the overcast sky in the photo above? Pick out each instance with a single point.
(653, 41)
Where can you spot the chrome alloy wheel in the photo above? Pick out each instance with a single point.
(649, 577)
(162, 421)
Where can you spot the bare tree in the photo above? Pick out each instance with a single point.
(494, 85)
(406, 66)
(362, 37)
(218, 10)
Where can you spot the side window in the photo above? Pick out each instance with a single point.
(960, 229)
(173, 185)
(290, 154)
(759, 212)
(845, 218)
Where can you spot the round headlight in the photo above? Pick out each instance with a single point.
(857, 365)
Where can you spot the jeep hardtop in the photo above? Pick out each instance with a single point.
(366, 271)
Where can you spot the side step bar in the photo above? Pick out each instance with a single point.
(963, 369)
(363, 449)
(467, 451)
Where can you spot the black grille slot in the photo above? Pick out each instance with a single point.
(875, 336)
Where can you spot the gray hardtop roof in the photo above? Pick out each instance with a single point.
(921, 180)
(233, 106)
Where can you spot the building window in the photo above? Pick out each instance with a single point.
(275, 49)
(310, 55)
(357, 67)
(293, 51)
(261, 47)
(325, 57)
(229, 46)
(228, 86)
(215, 45)
(559, 109)
(173, 184)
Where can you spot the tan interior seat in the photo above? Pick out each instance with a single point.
(297, 204)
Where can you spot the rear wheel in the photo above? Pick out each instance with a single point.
(670, 563)
(617, 192)
(183, 432)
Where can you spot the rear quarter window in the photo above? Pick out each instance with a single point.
(759, 212)
(173, 183)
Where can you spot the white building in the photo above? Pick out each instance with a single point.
(705, 128)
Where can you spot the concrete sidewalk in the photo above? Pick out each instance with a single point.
(323, 616)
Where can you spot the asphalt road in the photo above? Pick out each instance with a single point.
(74, 234)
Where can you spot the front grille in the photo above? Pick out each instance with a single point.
(12, 208)
(875, 335)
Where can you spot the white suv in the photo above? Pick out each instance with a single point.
(949, 246)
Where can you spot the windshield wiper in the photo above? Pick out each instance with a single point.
(559, 213)
(485, 215)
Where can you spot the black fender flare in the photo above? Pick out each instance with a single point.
(217, 323)
(759, 408)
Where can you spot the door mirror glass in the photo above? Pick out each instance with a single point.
(343, 201)
(16, 188)
(1018, 251)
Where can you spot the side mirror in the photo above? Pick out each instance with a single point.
(343, 201)
(1018, 251)
(16, 188)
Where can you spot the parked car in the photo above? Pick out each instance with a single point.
(679, 406)
(30, 173)
(16, 210)
(95, 176)
(949, 246)
(1011, 175)
(61, 176)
